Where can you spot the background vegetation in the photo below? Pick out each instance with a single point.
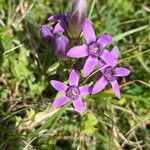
(27, 64)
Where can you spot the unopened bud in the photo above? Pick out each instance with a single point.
(77, 17)
(46, 33)
(61, 46)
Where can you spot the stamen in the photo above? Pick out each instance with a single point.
(72, 93)
(95, 49)
(109, 73)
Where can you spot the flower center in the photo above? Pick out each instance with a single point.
(109, 73)
(95, 49)
(72, 92)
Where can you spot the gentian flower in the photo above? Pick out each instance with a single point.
(71, 92)
(110, 75)
(60, 20)
(73, 21)
(46, 33)
(61, 43)
(94, 49)
(77, 17)
(57, 41)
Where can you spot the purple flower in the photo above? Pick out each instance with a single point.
(77, 17)
(58, 42)
(94, 49)
(46, 33)
(73, 21)
(57, 17)
(71, 92)
(110, 75)
(61, 21)
(61, 46)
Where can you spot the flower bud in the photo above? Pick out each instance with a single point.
(46, 33)
(61, 46)
(77, 17)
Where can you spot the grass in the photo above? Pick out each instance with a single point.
(27, 65)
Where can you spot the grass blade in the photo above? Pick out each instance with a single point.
(92, 7)
(123, 35)
(50, 120)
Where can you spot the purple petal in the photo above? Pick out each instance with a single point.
(59, 86)
(60, 101)
(101, 63)
(99, 85)
(122, 72)
(78, 105)
(61, 46)
(115, 88)
(89, 66)
(108, 58)
(84, 90)
(56, 17)
(104, 40)
(58, 28)
(115, 52)
(78, 51)
(73, 78)
(89, 32)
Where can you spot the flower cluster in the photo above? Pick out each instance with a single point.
(67, 29)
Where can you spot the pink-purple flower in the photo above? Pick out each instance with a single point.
(94, 49)
(110, 75)
(70, 92)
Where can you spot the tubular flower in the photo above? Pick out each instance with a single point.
(77, 17)
(94, 49)
(110, 75)
(46, 33)
(61, 46)
(58, 42)
(71, 92)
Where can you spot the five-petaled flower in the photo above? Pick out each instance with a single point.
(94, 49)
(110, 75)
(71, 92)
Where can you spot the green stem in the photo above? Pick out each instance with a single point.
(133, 56)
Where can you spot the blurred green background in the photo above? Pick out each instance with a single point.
(27, 64)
